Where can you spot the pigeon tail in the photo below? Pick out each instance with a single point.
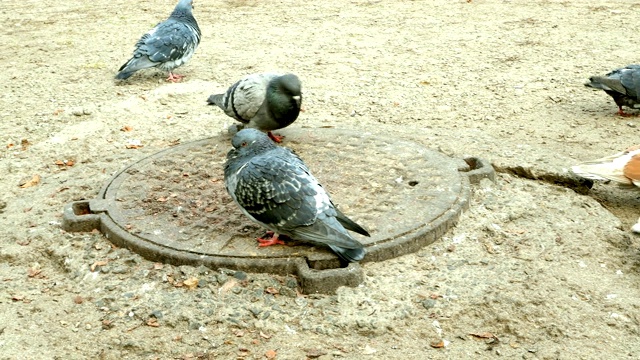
(124, 75)
(602, 171)
(134, 64)
(215, 100)
(349, 255)
(350, 224)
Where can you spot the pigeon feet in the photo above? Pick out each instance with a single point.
(624, 114)
(174, 77)
(274, 137)
(269, 239)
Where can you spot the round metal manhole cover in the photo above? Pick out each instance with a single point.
(173, 206)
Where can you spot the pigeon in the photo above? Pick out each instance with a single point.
(623, 85)
(264, 101)
(275, 189)
(168, 45)
(622, 168)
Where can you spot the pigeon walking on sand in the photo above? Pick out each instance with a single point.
(275, 189)
(623, 85)
(168, 45)
(622, 168)
(262, 101)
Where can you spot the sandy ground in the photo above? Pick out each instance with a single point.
(533, 270)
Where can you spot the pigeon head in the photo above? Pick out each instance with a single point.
(251, 141)
(290, 84)
(184, 6)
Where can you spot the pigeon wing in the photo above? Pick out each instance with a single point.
(630, 79)
(244, 99)
(276, 191)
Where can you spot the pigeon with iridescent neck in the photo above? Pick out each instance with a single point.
(262, 101)
(275, 189)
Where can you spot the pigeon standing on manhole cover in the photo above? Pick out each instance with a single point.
(274, 188)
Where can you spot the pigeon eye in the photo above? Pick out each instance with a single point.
(244, 143)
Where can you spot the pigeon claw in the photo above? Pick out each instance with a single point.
(269, 239)
(274, 137)
(174, 77)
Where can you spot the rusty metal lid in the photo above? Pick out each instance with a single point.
(173, 207)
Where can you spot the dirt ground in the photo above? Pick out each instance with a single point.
(533, 270)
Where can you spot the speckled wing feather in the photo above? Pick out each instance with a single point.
(278, 191)
(243, 100)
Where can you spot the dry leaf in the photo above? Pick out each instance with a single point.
(126, 128)
(161, 199)
(35, 180)
(9, 146)
(132, 146)
(98, 263)
(32, 272)
(270, 354)
(17, 298)
(25, 144)
(437, 344)
(153, 322)
(78, 299)
(191, 283)
(271, 290)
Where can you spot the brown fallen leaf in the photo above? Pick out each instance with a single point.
(98, 263)
(64, 162)
(133, 146)
(271, 354)
(25, 144)
(17, 298)
(153, 322)
(271, 290)
(33, 272)
(191, 283)
(35, 180)
(126, 128)
(437, 344)
(10, 145)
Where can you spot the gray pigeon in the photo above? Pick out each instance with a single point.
(275, 189)
(168, 45)
(262, 101)
(623, 85)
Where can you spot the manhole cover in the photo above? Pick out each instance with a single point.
(173, 207)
